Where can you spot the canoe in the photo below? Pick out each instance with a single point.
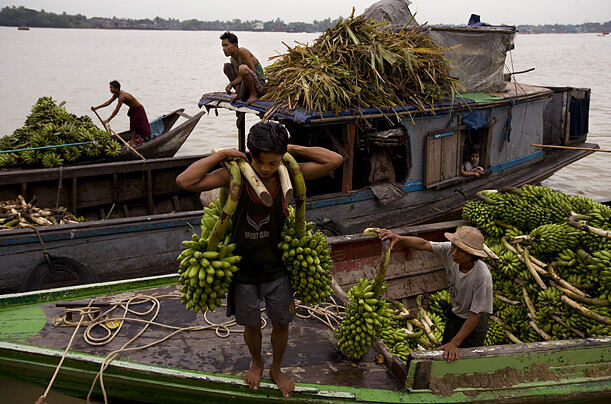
(167, 143)
(200, 367)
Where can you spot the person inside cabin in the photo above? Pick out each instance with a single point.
(470, 285)
(244, 71)
(139, 128)
(256, 232)
(471, 167)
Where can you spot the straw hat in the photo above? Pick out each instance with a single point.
(468, 239)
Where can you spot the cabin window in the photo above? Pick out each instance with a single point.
(443, 157)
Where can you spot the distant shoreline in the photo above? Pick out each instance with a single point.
(21, 16)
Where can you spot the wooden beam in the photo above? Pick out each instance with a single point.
(549, 146)
(350, 134)
(74, 198)
(150, 205)
(241, 124)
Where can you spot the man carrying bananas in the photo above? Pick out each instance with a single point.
(470, 285)
(256, 232)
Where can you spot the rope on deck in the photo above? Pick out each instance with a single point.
(329, 313)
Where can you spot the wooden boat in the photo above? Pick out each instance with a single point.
(199, 367)
(169, 141)
(23, 28)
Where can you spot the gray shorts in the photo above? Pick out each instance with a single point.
(279, 304)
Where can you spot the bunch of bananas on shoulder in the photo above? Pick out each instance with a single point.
(308, 259)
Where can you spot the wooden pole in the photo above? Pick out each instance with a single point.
(549, 146)
(112, 132)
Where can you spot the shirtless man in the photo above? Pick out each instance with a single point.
(244, 72)
(138, 122)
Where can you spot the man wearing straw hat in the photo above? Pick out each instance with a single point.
(470, 285)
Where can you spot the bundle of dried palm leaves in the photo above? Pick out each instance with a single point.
(358, 64)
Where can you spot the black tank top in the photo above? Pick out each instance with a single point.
(256, 232)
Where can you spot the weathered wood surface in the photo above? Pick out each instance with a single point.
(112, 250)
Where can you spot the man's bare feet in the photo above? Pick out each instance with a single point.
(285, 384)
(253, 376)
(252, 99)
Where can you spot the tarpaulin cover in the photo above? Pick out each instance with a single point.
(212, 100)
(396, 12)
(477, 55)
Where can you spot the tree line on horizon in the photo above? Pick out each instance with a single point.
(20, 16)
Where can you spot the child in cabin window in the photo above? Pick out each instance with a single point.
(472, 167)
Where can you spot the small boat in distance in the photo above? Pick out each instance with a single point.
(23, 28)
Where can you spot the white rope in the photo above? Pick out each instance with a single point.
(329, 313)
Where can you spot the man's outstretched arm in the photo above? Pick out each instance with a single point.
(107, 103)
(320, 162)
(416, 243)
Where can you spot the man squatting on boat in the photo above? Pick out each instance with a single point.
(256, 232)
(244, 71)
(139, 128)
(470, 285)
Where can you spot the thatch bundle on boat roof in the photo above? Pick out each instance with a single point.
(360, 63)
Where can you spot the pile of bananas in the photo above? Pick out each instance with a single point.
(205, 274)
(552, 279)
(366, 317)
(49, 124)
(309, 261)
(495, 335)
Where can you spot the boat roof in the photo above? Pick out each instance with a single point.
(512, 92)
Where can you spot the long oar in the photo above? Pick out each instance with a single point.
(550, 146)
(112, 132)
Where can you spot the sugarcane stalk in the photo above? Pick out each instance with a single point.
(285, 182)
(572, 221)
(300, 193)
(230, 207)
(255, 182)
(532, 269)
(585, 311)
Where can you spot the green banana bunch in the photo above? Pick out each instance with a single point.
(205, 275)
(366, 316)
(553, 238)
(49, 124)
(308, 259)
(496, 334)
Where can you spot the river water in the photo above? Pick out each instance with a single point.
(166, 70)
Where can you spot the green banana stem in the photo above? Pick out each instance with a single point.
(572, 221)
(382, 267)
(223, 195)
(230, 207)
(585, 311)
(300, 193)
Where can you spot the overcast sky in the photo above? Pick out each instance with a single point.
(511, 12)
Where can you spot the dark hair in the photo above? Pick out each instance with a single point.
(232, 38)
(267, 137)
(115, 84)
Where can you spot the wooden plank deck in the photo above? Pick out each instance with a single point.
(311, 355)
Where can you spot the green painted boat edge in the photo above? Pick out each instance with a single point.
(84, 291)
(202, 384)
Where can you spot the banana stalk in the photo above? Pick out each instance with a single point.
(506, 300)
(565, 284)
(532, 269)
(230, 206)
(300, 193)
(256, 183)
(585, 311)
(511, 337)
(539, 331)
(285, 182)
(572, 221)
(577, 332)
(582, 299)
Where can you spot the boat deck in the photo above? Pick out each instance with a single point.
(311, 355)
